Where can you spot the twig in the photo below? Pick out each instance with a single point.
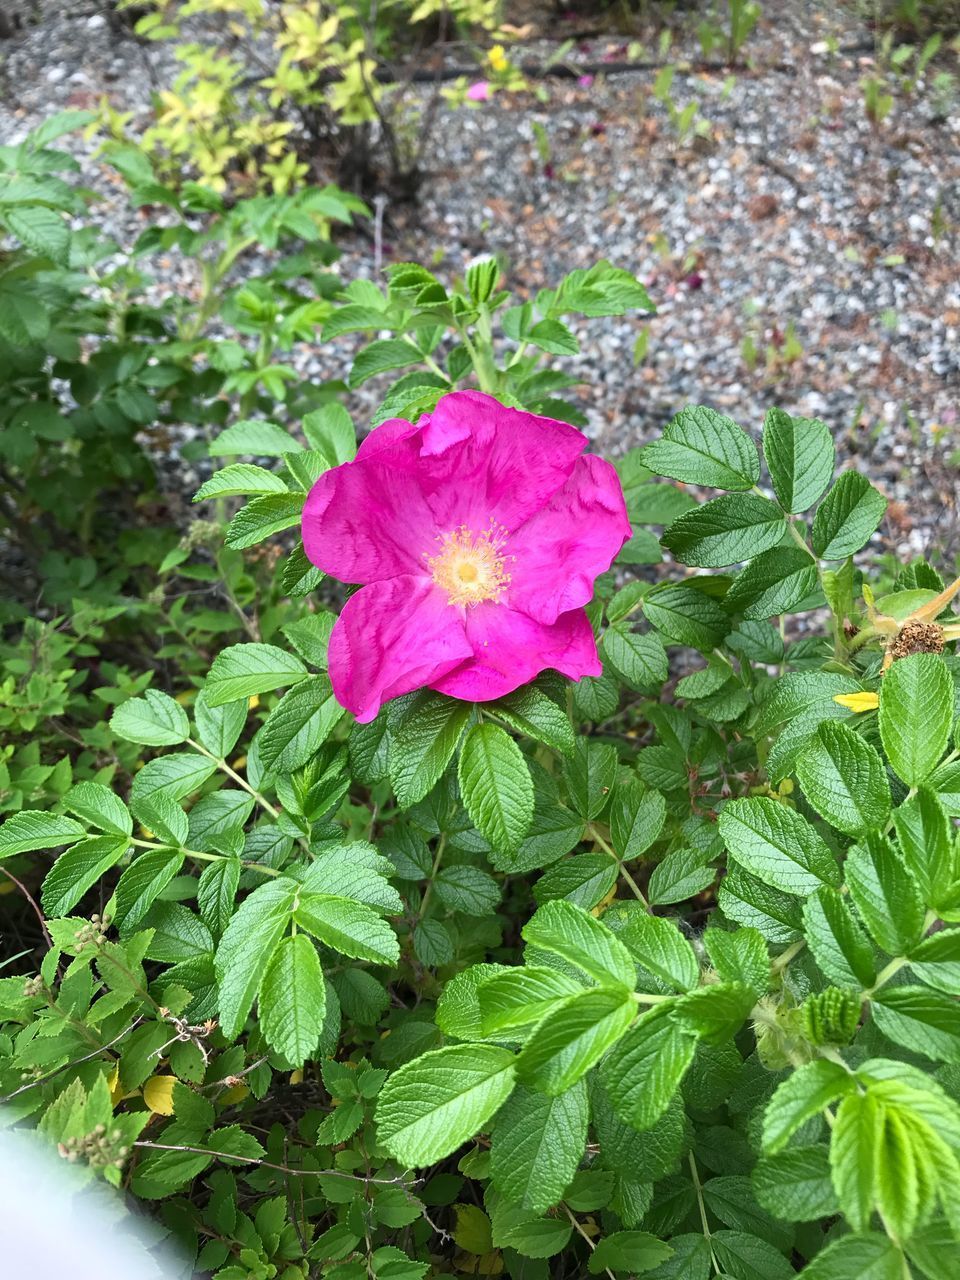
(26, 893)
(76, 1062)
(268, 1164)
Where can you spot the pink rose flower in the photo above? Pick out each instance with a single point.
(479, 91)
(477, 534)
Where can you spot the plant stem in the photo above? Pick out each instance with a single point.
(240, 781)
(598, 839)
(580, 1231)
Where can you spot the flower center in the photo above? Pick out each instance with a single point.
(471, 568)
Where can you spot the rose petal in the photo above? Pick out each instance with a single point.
(393, 637)
(369, 520)
(510, 649)
(489, 463)
(560, 551)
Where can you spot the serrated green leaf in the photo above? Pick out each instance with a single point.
(922, 1021)
(658, 945)
(795, 1184)
(78, 870)
(916, 714)
(638, 658)
(839, 945)
(701, 446)
(802, 1095)
(99, 806)
(259, 439)
(423, 744)
(155, 720)
(886, 896)
(854, 1153)
(844, 779)
(240, 479)
(141, 884)
(292, 999)
(347, 926)
(538, 1143)
(632, 1251)
(298, 725)
(725, 531)
(777, 845)
(496, 787)
(847, 517)
(573, 1038)
(434, 1104)
(242, 670)
(773, 583)
(643, 1072)
(262, 517)
(800, 458)
(245, 949)
(583, 941)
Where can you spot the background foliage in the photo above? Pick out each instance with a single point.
(655, 974)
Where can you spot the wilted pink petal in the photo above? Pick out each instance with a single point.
(582, 528)
(393, 637)
(585, 82)
(479, 91)
(509, 649)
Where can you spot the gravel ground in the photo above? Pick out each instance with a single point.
(791, 219)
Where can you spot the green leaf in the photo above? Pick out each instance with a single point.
(800, 458)
(854, 1156)
(99, 806)
(242, 670)
(262, 517)
(423, 744)
(435, 1103)
(777, 845)
(795, 1184)
(886, 895)
(530, 711)
(717, 1011)
(644, 1071)
(387, 353)
(750, 902)
(154, 720)
(299, 577)
(926, 1022)
(590, 773)
(246, 947)
(310, 636)
(519, 998)
(866, 1257)
(681, 875)
(176, 775)
(496, 787)
(242, 478)
(298, 725)
(538, 1143)
(839, 945)
(573, 1038)
(773, 584)
(847, 517)
(43, 230)
(330, 431)
(916, 714)
(684, 615)
(748, 1258)
(701, 446)
(141, 884)
(584, 880)
(637, 816)
(740, 957)
(554, 337)
(292, 999)
(802, 1095)
(726, 531)
(78, 870)
(260, 439)
(639, 659)
(218, 728)
(467, 889)
(732, 1200)
(581, 940)
(633, 1251)
(658, 945)
(935, 960)
(350, 927)
(926, 842)
(844, 779)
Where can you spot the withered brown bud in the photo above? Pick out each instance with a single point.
(917, 637)
(850, 629)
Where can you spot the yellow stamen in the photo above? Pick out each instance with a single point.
(858, 701)
(471, 569)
